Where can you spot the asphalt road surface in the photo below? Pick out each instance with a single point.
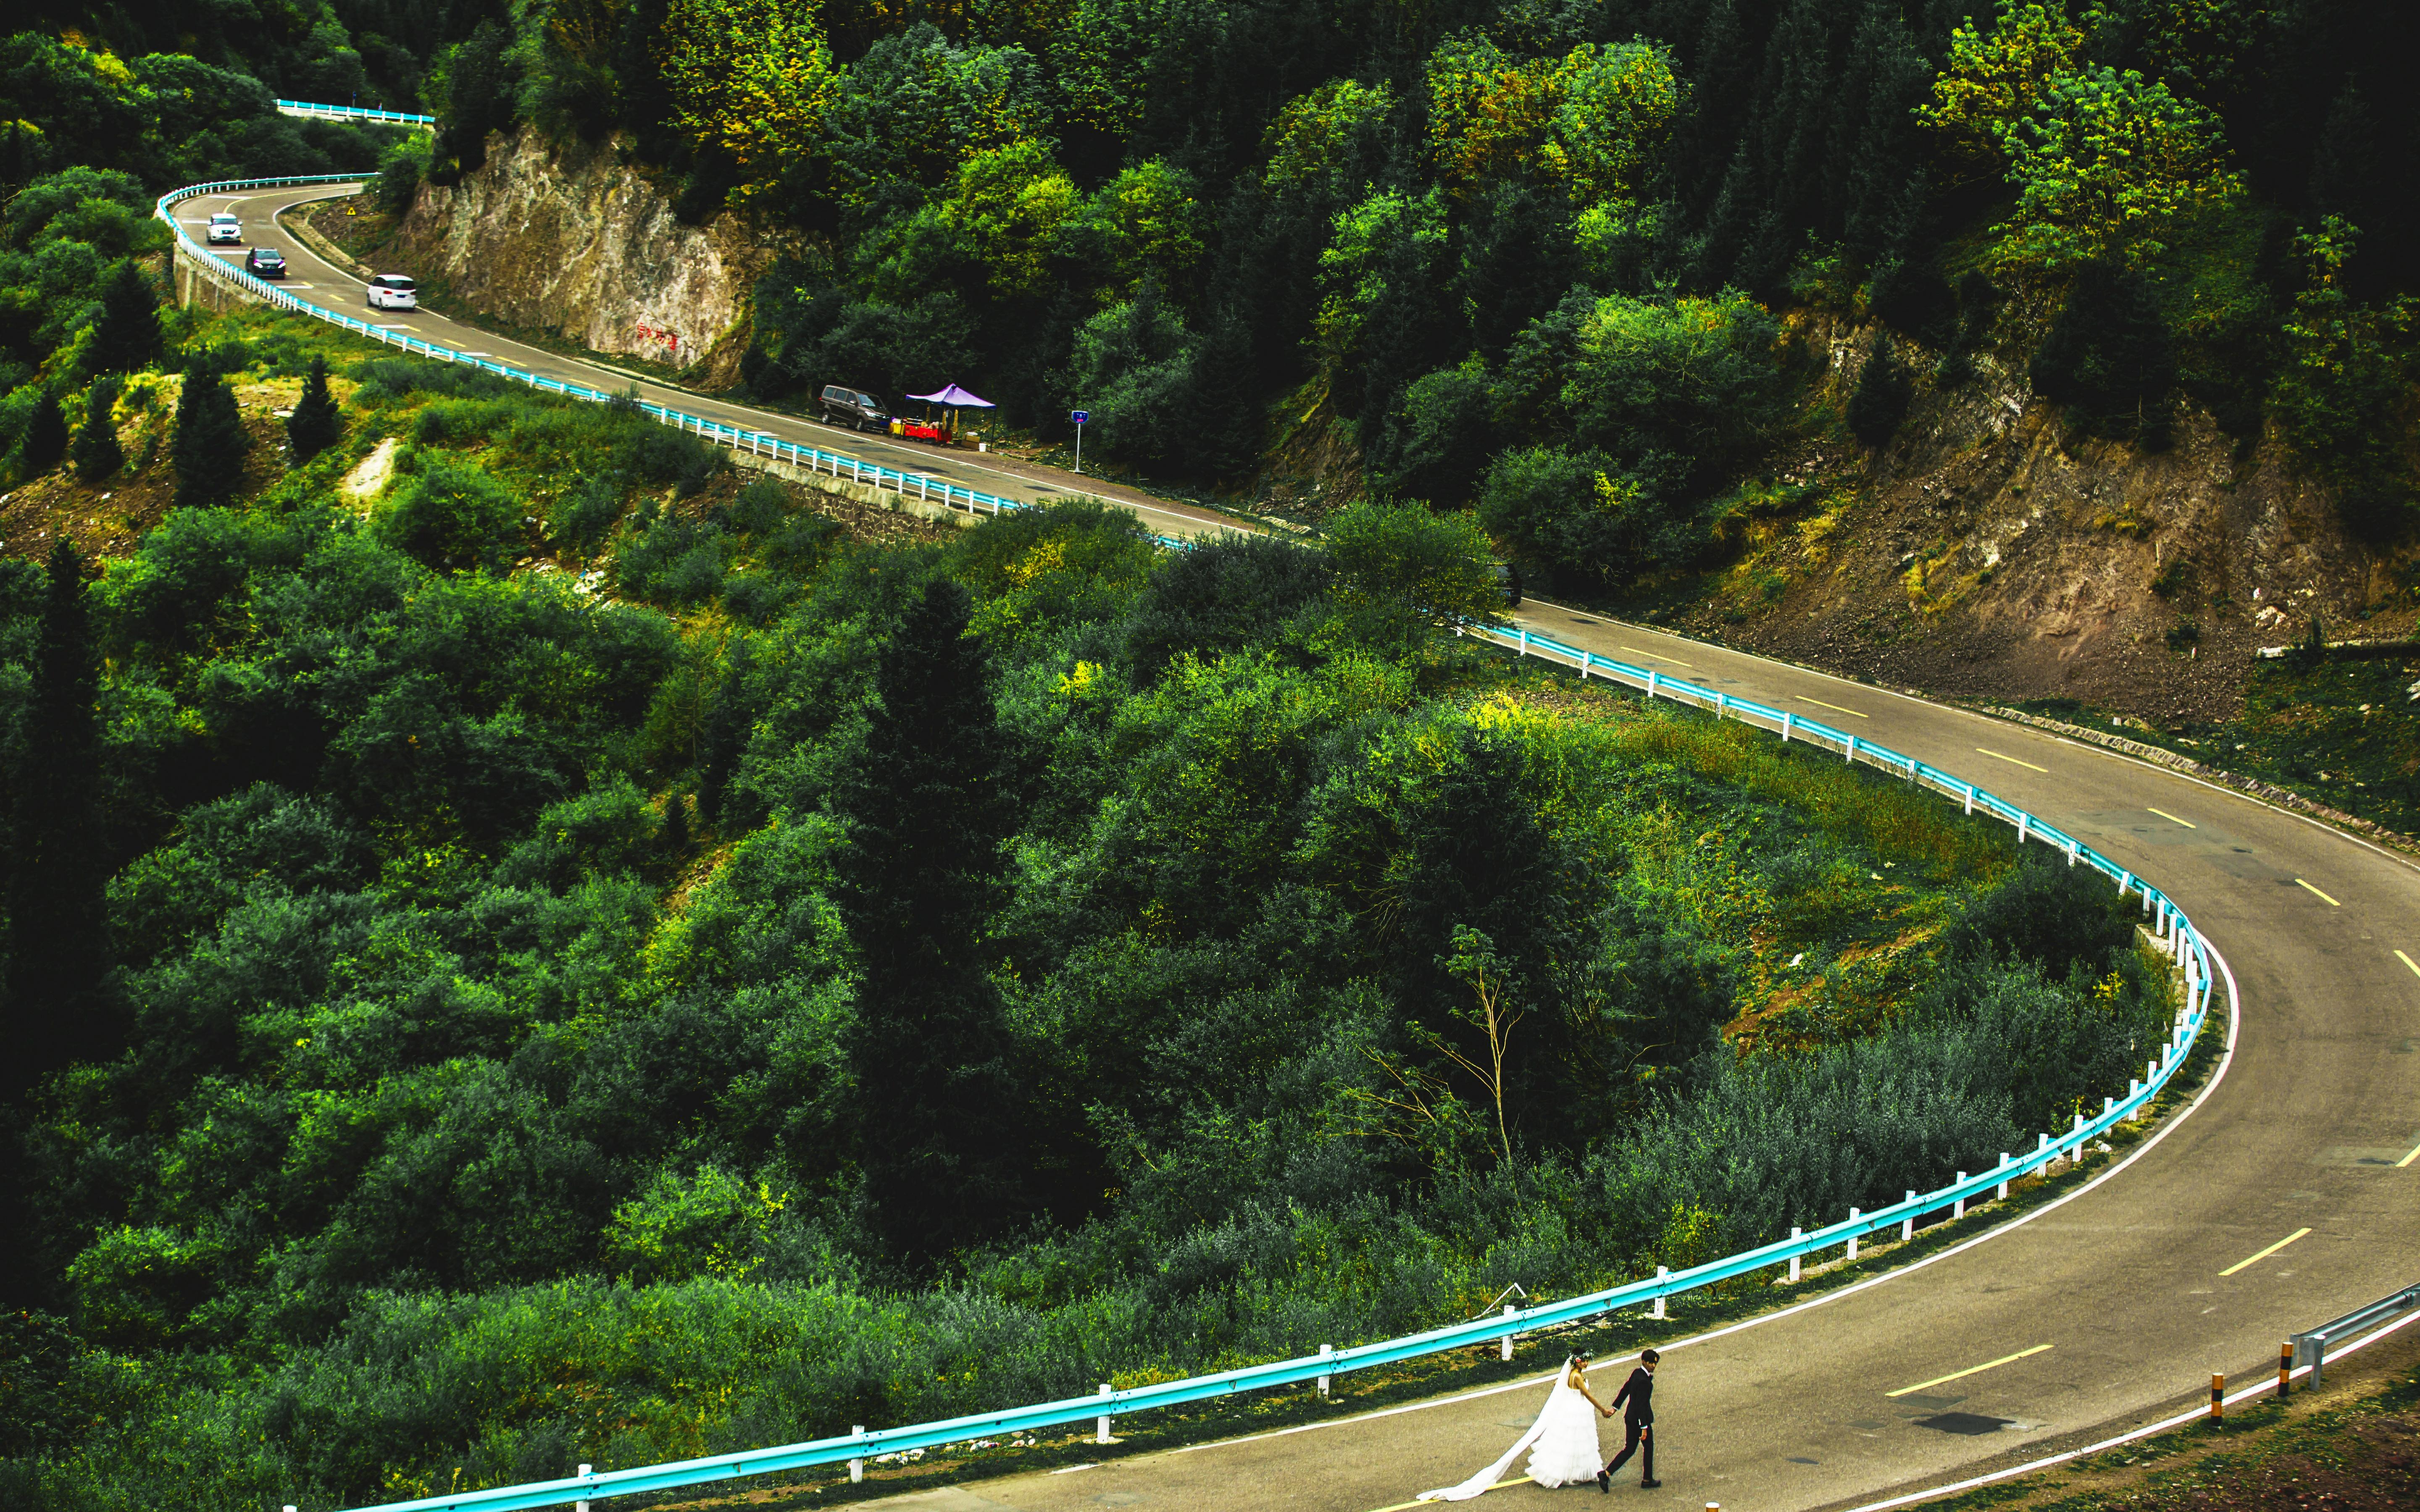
(2110, 1308)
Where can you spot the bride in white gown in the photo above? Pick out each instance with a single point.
(1561, 1443)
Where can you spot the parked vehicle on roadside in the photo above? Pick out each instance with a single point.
(225, 227)
(392, 291)
(850, 407)
(265, 262)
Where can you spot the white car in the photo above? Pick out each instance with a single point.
(392, 291)
(225, 227)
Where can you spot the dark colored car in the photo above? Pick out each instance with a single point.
(265, 262)
(847, 406)
(1508, 578)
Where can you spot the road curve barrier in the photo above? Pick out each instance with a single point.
(2173, 931)
(352, 112)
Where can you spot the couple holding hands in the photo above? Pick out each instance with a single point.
(1563, 1442)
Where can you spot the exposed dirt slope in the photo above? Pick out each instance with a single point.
(1984, 553)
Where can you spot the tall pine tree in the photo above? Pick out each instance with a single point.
(97, 456)
(927, 811)
(125, 338)
(211, 444)
(315, 426)
(1879, 400)
(58, 939)
(46, 438)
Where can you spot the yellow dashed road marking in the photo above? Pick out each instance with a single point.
(1970, 1370)
(2010, 760)
(2266, 1253)
(1654, 656)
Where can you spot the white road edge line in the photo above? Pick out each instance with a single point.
(2217, 1075)
(2147, 1430)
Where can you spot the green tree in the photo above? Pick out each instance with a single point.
(927, 807)
(2346, 381)
(59, 954)
(46, 437)
(125, 338)
(97, 456)
(1403, 570)
(2107, 162)
(1439, 440)
(315, 426)
(1995, 77)
(209, 448)
(1678, 390)
(750, 79)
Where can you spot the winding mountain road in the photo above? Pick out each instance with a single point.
(2289, 1194)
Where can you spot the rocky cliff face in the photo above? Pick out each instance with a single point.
(1986, 553)
(565, 238)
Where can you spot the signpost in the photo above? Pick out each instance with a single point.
(1079, 416)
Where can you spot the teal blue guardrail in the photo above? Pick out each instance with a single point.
(357, 113)
(2168, 925)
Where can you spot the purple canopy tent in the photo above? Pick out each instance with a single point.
(950, 396)
(950, 393)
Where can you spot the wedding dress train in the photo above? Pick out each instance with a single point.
(1561, 1443)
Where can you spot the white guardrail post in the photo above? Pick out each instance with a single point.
(2170, 928)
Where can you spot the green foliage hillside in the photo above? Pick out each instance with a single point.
(1519, 256)
(1529, 256)
(599, 966)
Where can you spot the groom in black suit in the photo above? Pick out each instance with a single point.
(1637, 1400)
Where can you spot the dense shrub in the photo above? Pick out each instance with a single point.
(451, 515)
(1227, 592)
(1581, 518)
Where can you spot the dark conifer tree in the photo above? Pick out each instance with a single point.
(209, 444)
(46, 437)
(675, 833)
(1879, 400)
(927, 811)
(125, 338)
(58, 955)
(1878, 149)
(1227, 400)
(2108, 357)
(724, 738)
(315, 426)
(643, 100)
(97, 456)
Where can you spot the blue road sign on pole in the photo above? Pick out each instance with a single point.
(1079, 416)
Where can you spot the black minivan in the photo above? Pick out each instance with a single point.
(847, 406)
